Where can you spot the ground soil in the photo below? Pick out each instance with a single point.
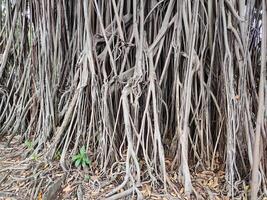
(22, 177)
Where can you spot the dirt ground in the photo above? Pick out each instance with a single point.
(35, 178)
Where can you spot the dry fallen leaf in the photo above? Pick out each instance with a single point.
(40, 196)
(94, 193)
(67, 189)
(146, 190)
(213, 182)
(155, 197)
(173, 194)
(59, 175)
(237, 97)
(94, 178)
(168, 162)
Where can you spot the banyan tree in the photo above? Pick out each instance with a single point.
(139, 82)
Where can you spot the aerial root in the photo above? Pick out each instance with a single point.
(121, 194)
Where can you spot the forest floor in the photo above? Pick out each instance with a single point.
(33, 178)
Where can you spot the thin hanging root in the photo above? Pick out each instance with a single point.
(130, 152)
(255, 183)
(148, 79)
(62, 128)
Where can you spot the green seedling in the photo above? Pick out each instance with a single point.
(28, 144)
(34, 157)
(81, 159)
(87, 178)
(57, 155)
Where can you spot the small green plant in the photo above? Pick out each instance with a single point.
(57, 155)
(87, 178)
(28, 144)
(81, 159)
(34, 157)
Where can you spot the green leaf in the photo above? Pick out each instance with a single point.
(76, 157)
(78, 163)
(57, 155)
(28, 144)
(84, 164)
(82, 151)
(87, 161)
(34, 157)
(81, 158)
(87, 178)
